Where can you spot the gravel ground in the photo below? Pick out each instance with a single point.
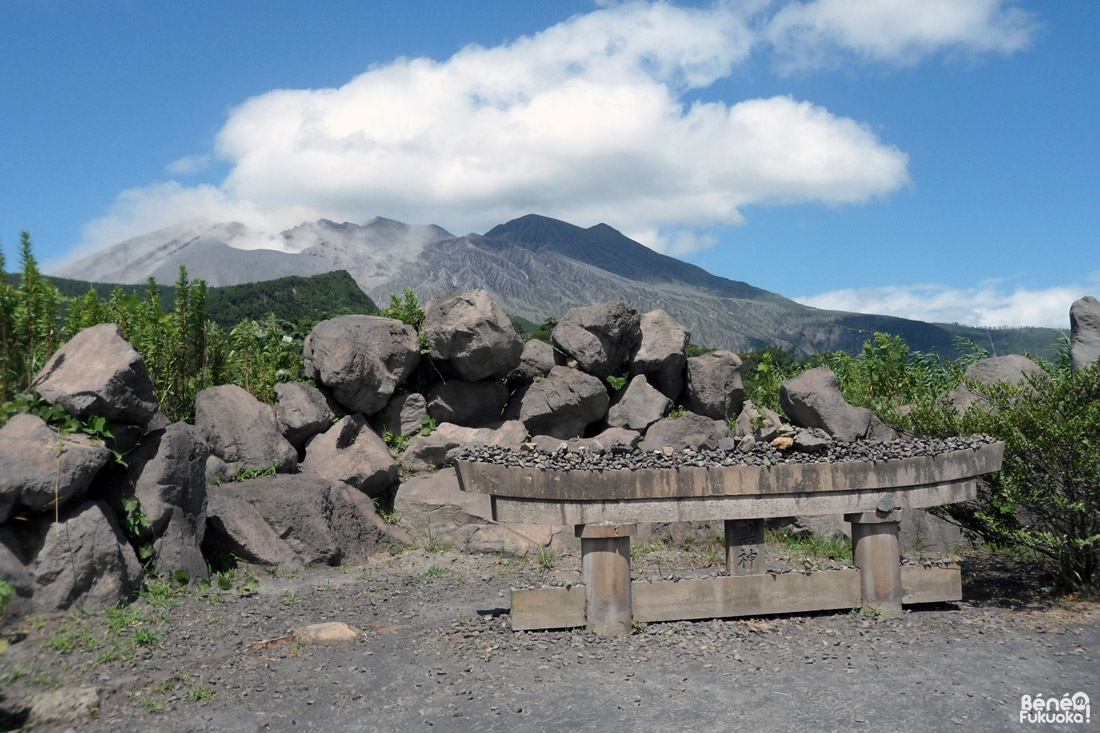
(436, 651)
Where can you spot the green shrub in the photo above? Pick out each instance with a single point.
(1046, 497)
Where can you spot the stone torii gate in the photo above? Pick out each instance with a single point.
(606, 505)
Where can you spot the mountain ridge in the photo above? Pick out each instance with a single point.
(535, 266)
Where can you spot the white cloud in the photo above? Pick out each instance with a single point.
(586, 121)
(902, 32)
(992, 303)
(675, 243)
(189, 164)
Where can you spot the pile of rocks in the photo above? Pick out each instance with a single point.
(388, 402)
(729, 453)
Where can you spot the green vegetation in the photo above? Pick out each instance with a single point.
(547, 558)
(7, 593)
(28, 323)
(803, 547)
(1046, 498)
(406, 309)
(302, 301)
(183, 348)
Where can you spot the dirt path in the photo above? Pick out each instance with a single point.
(436, 651)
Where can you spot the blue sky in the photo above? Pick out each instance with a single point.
(935, 159)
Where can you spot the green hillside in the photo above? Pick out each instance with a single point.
(290, 298)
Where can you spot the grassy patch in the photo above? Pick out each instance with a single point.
(547, 558)
(641, 549)
(811, 547)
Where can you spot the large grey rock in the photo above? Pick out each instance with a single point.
(435, 500)
(437, 448)
(71, 705)
(1084, 328)
(472, 335)
(99, 373)
(686, 431)
(242, 432)
(536, 361)
(362, 359)
(236, 527)
(178, 547)
(662, 353)
(813, 400)
(296, 509)
(600, 337)
(85, 560)
(639, 406)
(293, 521)
(714, 387)
(433, 508)
(1012, 369)
(302, 412)
(564, 403)
(167, 475)
(167, 471)
(352, 453)
(403, 415)
(473, 404)
(359, 529)
(39, 469)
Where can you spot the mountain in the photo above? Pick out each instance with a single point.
(535, 267)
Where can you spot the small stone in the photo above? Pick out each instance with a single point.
(333, 632)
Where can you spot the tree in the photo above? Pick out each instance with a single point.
(28, 323)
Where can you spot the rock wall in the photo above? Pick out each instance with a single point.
(318, 458)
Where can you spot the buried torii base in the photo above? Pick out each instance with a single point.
(605, 507)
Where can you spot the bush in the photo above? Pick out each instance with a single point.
(1047, 495)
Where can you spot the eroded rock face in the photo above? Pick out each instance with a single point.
(403, 415)
(1084, 326)
(99, 373)
(661, 354)
(536, 361)
(473, 404)
(352, 453)
(639, 406)
(472, 334)
(563, 404)
(168, 470)
(294, 521)
(85, 559)
(242, 432)
(600, 337)
(167, 475)
(813, 400)
(686, 431)
(302, 412)
(38, 468)
(362, 359)
(714, 386)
